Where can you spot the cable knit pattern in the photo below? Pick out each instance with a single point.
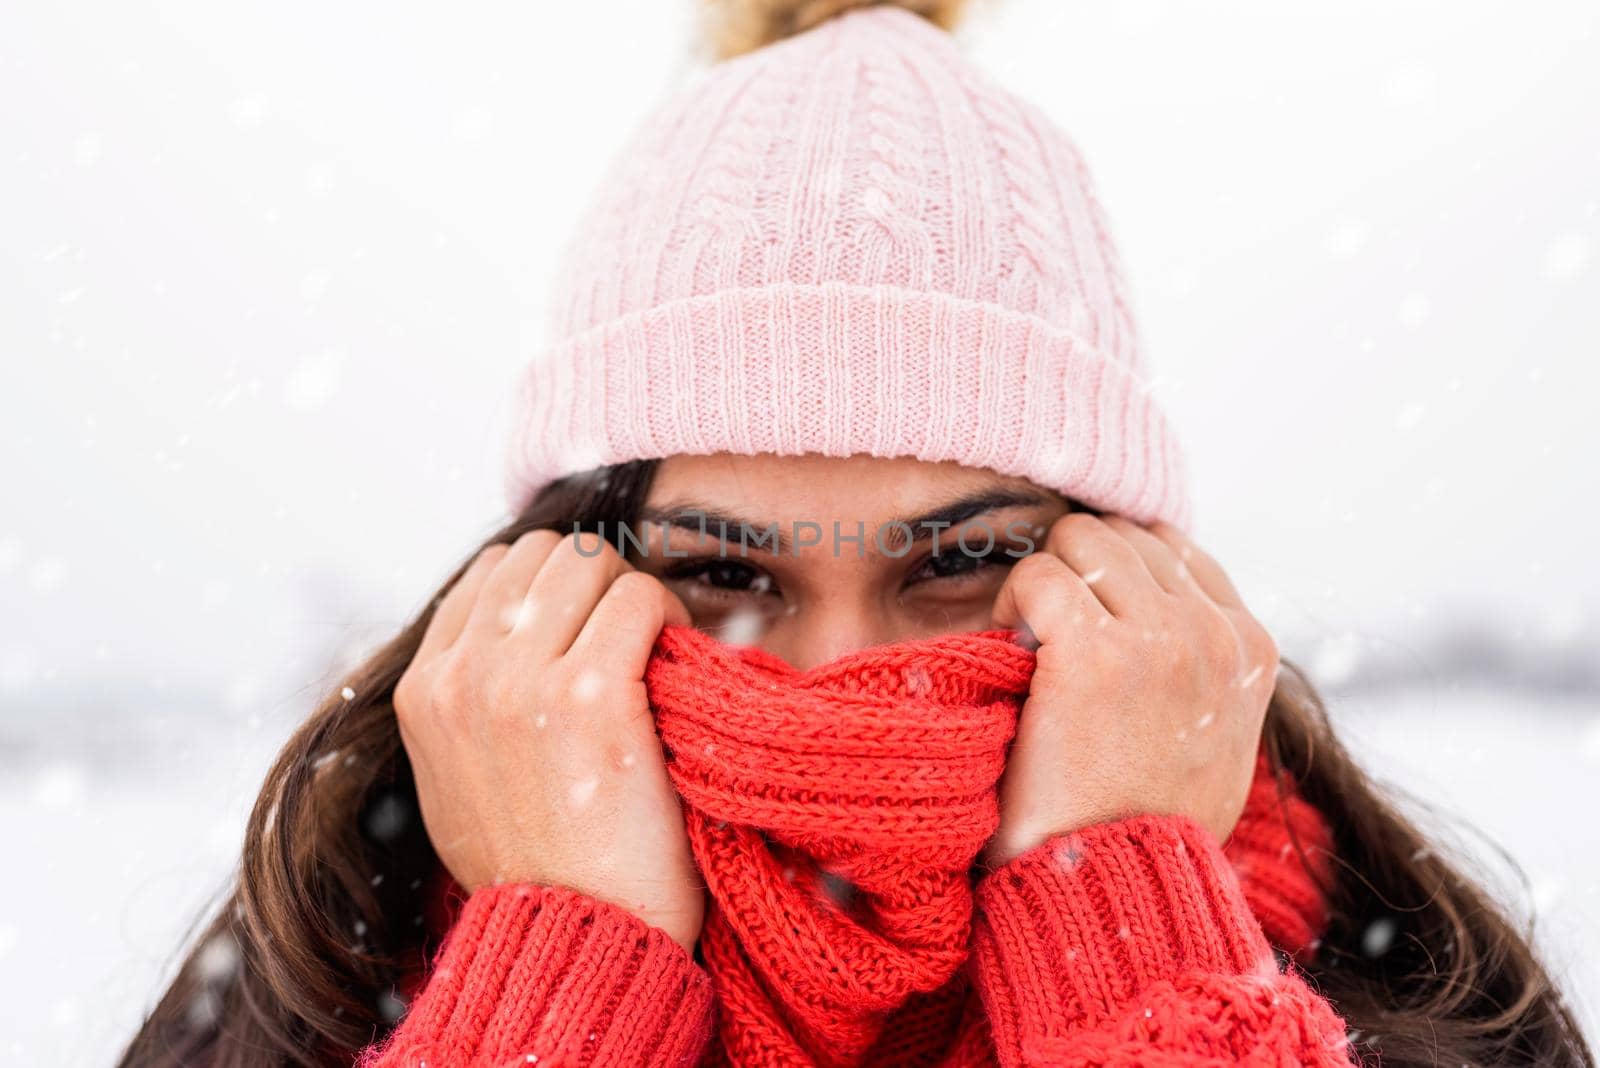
(836, 814)
(850, 241)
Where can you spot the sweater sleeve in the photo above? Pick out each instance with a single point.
(1131, 943)
(545, 975)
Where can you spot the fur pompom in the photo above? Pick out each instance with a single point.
(734, 27)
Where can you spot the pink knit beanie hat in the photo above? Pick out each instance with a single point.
(849, 241)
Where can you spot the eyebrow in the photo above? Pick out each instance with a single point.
(693, 515)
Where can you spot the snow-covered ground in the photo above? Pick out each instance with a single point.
(125, 850)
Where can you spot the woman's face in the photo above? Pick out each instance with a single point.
(782, 579)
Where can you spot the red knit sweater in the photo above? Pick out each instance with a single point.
(1138, 942)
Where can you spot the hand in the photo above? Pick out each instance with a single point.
(1150, 687)
(525, 716)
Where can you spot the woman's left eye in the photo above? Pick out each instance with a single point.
(954, 562)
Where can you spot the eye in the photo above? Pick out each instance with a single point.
(718, 577)
(958, 565)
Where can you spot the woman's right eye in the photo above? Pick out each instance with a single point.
(719, 577)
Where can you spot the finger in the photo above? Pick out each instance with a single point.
(1046, 600)
(451, 614)
(1110, 566)
(621, 631)
(1171, 573)
(500, 603)
(566, 590)
(1206, 571)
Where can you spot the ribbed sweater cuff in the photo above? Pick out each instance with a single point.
(545, 972)
(1071, 933)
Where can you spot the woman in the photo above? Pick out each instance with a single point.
(991, 765)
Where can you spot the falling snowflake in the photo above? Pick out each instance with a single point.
(1067, 853)
(1346, 239)
(388, 818)
(1415, 310)
(390, 1006)
(743, 627)
(588, 686)
(204, 1007)
(838, 889)
(60, 786)
(1589, 745)
(473, 124)
(1378, 937)
(1409, 415)
(314, 286)
(249, 110)
(1336, 659)
(580, 793)
(314, 380)
(917, 679)
(1567, 257)
(218, 959)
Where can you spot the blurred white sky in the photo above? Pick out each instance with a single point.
(269, 272)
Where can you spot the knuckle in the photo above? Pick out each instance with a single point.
(410, 685)
(458, 685)
(415, 692)
(1038, 566)
(1168, 533)
(1261, 639)
(1079, 531)
(634, 589)
(587, 546)
(576, 551)
(1074, 525)
(404, 699)
(539, 539)
(1262, 645)
(490, 555)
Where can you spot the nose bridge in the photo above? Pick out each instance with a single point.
(840, 620)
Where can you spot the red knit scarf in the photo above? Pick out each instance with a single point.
(837, 813)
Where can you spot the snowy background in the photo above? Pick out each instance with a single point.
(269, 271)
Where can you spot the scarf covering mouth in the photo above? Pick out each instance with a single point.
(836, 815)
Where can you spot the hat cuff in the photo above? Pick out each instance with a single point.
(841, 369)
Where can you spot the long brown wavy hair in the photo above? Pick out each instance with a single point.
(301, 963)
